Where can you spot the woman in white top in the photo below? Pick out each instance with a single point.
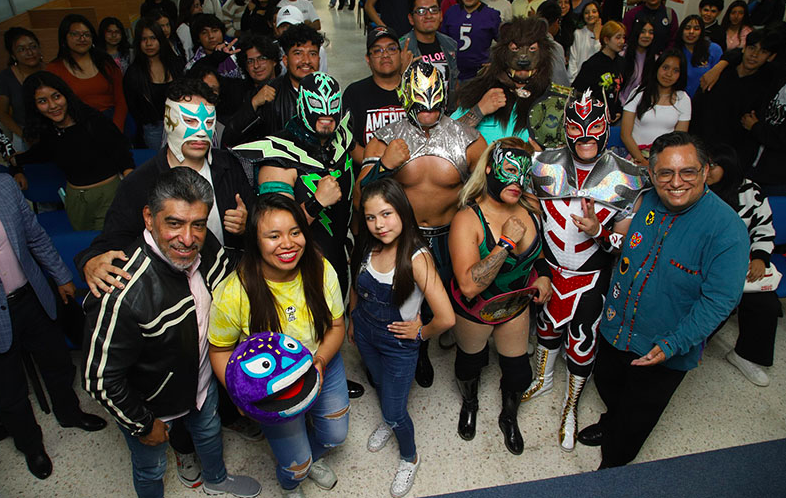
(660, 105)
(587, 39)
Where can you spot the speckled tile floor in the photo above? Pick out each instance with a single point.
(715, 407)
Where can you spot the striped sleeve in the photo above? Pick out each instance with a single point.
(113, 345)
(756, 213)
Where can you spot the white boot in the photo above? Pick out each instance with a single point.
(544, 373)
(569, 422)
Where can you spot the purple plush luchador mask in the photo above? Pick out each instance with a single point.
(271, 377)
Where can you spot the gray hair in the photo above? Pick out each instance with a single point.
(180, 183)
(675, 139)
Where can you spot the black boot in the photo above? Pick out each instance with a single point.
(469, 407)
(424, 372)
(508, 421)
(354, 390)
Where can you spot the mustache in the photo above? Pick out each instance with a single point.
(181, 247)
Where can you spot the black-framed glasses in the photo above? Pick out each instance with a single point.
(253, 61)
(687, 175)
(86, 35)
(380, 51)
(421, 11)
(26, 48)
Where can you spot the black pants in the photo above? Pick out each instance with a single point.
(757, 315)
(635, 397)
(34, 332)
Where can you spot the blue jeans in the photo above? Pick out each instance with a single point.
(391, 361)
(149, 462)
(297, 447)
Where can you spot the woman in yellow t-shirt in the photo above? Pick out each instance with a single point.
(295, 291)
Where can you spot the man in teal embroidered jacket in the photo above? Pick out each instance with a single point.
(681, 273)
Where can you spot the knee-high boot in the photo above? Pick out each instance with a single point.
(570, 412)
(508, 421)
(469, 407)
(543, 381)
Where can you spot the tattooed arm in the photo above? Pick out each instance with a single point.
(473, 274)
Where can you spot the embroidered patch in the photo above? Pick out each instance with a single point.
(615, 292)
(610, 313)
(635, 240)
(616, 240)
(686, 270)
(650, 219)
(290, 311)
(624, 265)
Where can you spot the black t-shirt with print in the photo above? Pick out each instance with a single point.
(371, 108)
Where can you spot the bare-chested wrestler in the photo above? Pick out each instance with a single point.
(431, 156)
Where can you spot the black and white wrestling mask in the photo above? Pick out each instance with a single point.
(586, 120)
(509, 166)
(422, 90)
(187, 122)
(319, 97)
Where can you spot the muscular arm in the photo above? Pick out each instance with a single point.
(474, 151)
(473, 274)
(276, 174)
(375, 148)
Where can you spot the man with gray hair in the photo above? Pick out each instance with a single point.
(681, 272)
(146, 356)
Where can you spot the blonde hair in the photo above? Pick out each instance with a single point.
(475, 188)
(610, 29)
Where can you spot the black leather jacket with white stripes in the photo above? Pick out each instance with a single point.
(141, 343)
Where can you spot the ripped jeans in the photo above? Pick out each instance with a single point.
(297, 446)
(149, 462)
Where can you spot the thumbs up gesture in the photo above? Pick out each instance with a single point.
(235, 219)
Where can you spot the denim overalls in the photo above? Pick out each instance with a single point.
(391, 361)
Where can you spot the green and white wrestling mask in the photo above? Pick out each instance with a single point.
(319, 96)
(187, 122)
(509, 166)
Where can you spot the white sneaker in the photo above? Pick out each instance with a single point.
(189, 471)
(322, 475)
(379, 438)
(405, 477)
(750, 370)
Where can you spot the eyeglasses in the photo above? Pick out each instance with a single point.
(26, 48)
(253, 61)
(421, 11)
(379, 51)
(687, 175)
(80, 35)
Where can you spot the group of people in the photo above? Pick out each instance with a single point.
(427, 200)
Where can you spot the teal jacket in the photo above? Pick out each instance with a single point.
(679, 275)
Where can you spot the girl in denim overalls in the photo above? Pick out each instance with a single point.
(392, 272)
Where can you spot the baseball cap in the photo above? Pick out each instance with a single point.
(380, 32)
(290, 14)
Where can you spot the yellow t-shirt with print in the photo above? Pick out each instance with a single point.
(230, 312)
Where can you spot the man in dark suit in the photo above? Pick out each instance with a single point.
(27, 313)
